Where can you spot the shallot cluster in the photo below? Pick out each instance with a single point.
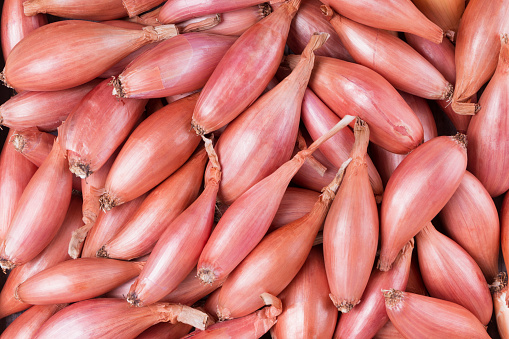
(246, 169)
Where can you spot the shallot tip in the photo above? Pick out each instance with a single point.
(392, 297)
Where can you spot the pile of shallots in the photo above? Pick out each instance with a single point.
(222, 169)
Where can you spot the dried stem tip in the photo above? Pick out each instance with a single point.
(499, 283)
(118, 91)
(392, 297)
(461, 139)
(207, 275)
(18, 142)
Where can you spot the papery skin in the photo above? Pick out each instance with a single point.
(33, 144)
(140, 166)
(27, 324)
(354, 89)
(386, 162)
(307, 310)
(318, 119)
(95, 10)
(504, 228)
(398, 15)
(166, 202)
(256, 55)
(488, 139)
(388, 331)
(16, 25)
(262, 138)
(296, 203)
(54, 253)
(418, 189)
(476, 49)
(166, 331)
(440, 258)
(236, 22)
(415, 283)
(107, 318)
(44, 110)
(179, 65)
(15, 174)
(499, 290)
(307, 176)
(445, 14)
(109, 224)
(181, 10)
(392, 58)
(308, 20)
(135, 7)
(76, 280)
(45, 61)
(471, 219)
(367, 318)
(40, 211)
(417, 316)
(350, 232)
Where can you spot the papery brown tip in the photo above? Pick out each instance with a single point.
(107, 202)
(207, 275)
(102, 253)
(265, 9)
(461, 139)
(6, 265)
(160, 33)
(18, 142)
(202, 25)
(276, 306)
(118, 90)
(3, 80)
(344, 306)
(499, 283)
(465, 108)
(383, 265)
(223, 314)
(392, 297)
(31, 8)
(197, 128)
(327, 11)
(80, 169)
(448, 93)
(133, 300)
(77, 239)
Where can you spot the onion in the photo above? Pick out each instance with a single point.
(499, 290)
(256, 56)
(487, 132)
(445, 13)
(139, 166)
(102, 318)
(417, 316)
(138, 236)
(243, 225)
(307, 311)
(396, 15)
(34, 225)
(15, 174)
(415, 283)
(262, 138)
(236, 22)
(179, 65)
(27, 324)
(355, 89)
(165, 331)
(388, 332)
(449, 273)
(44, 110)
(296, 203)
(33, 144)
(54, 253)
(418, 189)
(350, 232)
(76, 280)
(47, 61)
(135, 7)
(476, 50)
(367, 318)
(169, 263)
(97, 10)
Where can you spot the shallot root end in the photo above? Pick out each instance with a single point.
(392, 297)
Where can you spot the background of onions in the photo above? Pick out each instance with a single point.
(444, 128)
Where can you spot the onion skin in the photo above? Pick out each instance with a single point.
(417, 316)
(235, 23)
(388, 331)
(33, 144)
(352, 88)
(262, 138)
(139, 166)
(252, 326)
(246, 221)
(275, 261)
(318, 119)
(54, 253)
(168, 263)
(476, 50)
(106, 318)
(308, 20)
(440, 259)
(392, 58)
(352, 223)
(166, 331)
(445, 14)
(27, 324)
(109, 224)
(487, 132)
(34, 225)
(386, 162)
(499, 290)
(44, 110)
(179, 65)
(15, 174)
(182, 10)
(415, 283)
(296, 203)
(97, 10)
(367, 318)
(76, 280)
(135, 7)
(87, 147)
(255, 55)
(45, 61)
(470, 218)
(417, 190)
(164, 204)
(399, 15)
(307, 310)
(15, 25)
